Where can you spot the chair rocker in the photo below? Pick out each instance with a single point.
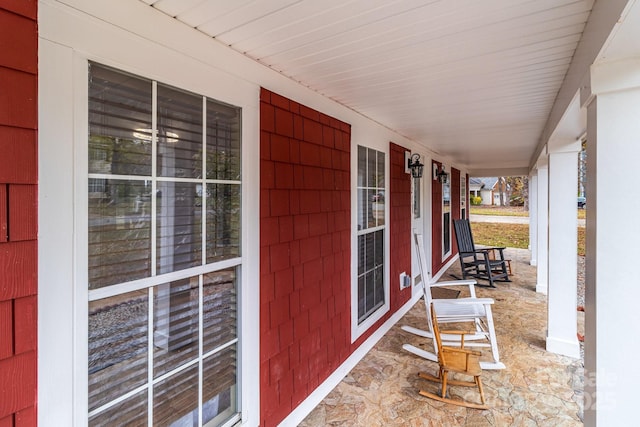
(454, 360)
(479, 263)
(472, 309)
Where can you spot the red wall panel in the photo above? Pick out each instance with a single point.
(305, 242)
(18, 42)
(304, 180)
(400, 218)
(18, 212)
(4, 214)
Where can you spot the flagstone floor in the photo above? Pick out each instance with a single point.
(536, 389)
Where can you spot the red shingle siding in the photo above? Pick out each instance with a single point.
(18, 212)
(305, 242)
(400, 223)
(305, 251)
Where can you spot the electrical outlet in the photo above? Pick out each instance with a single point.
(405, 281)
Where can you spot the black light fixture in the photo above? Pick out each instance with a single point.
(442, 176)
(416, 167)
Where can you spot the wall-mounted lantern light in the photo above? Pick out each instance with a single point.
(439, 174)
(413, 163)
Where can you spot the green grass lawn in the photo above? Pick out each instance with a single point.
(511, 235)
(499, 210)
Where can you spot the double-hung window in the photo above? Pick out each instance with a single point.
(446, 217)
(164, 258)
(371, 290)
(463, 196)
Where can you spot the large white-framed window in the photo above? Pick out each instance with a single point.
(446, 217)
(370, 295)
(164, 260)
(69, 37)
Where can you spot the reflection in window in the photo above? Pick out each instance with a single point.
(163, 352)
(371, 221)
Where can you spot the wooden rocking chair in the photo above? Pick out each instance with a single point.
(454, 360)
(479, 263)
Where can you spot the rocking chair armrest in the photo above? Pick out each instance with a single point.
(470, 282)
(469, 301)
(461, 350)
(498, 248)
(458, 332)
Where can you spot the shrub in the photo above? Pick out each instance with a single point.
(475, 200)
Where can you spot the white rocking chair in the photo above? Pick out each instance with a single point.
(471, 309)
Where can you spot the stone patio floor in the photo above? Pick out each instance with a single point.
(536, 389)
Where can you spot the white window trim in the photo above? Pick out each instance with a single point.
(68, 39)
(358, 330)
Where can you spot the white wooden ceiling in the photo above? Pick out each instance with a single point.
(473, 80)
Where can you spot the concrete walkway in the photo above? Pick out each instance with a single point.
(509, 219)
(499, 219)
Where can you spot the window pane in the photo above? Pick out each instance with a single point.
(362, 166)
(361, 298)
(179, 225)
(118, 337)
(369, 255)
(369, 297)
(131, 412)
(119, 123)
(379, 247)
(372, 163)
(363, 222)
(179, 133)
(219, 385)
(379, 174)
(361, 253)
(223, 221)
(175, 324)
(377, 207)
(119, 232)
(175, 400)
(446, 233)
(378, 286)
(371, 280)
(220, 316)
(223, 141)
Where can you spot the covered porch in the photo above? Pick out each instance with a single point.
(331, 99)
(537, 387)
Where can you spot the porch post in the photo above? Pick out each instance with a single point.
(533, 217)
(542, 216)
(562, 321)
(613, 230)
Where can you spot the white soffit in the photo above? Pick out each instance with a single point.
(473, 80)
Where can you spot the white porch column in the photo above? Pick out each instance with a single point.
(542, 216)
(533, 217)
(562, 320)
(612, 295)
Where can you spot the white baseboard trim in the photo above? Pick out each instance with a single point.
(564, 347)
(314, 399)
(542, 288)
